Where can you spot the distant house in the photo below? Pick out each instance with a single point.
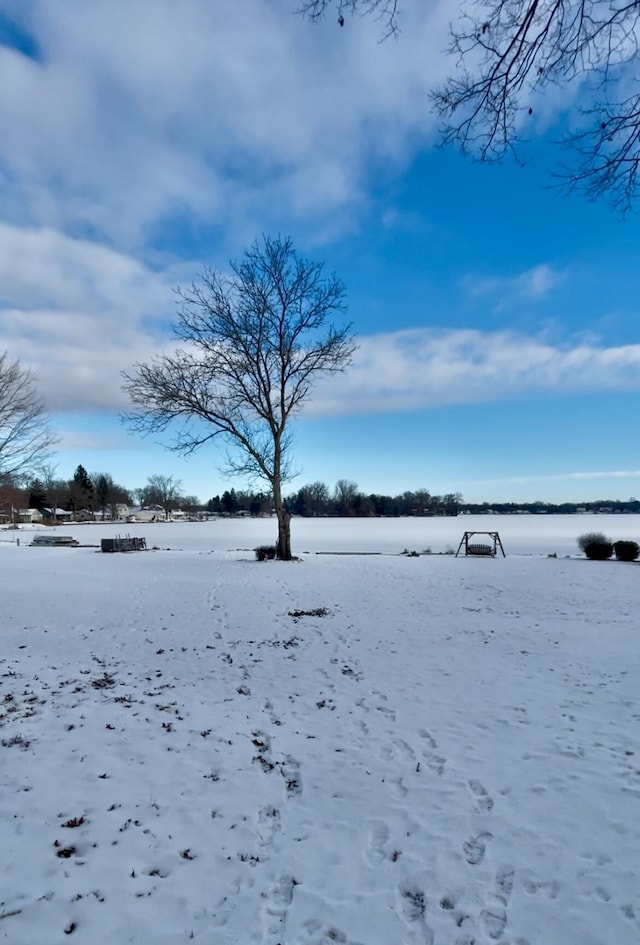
(58, 515)
(148, 513)
(29, 515)
(113, 513)
(84, 515)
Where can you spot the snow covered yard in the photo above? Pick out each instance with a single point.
(370, 750)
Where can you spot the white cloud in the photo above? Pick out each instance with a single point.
(423, 368)
(232, 115)
(78, 441)
(229, 112)
(534, 283)
(78, 313)
(610, 474)
(616, 474)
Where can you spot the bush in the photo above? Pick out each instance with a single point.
(626, 550)
(265, 552)
(591, 538)
(599, 550)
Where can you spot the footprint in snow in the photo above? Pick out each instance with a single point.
(549, 888)
(280, 895)
(378, 838)
(482, 800)
(475, 848)
(404, 750)
(398, 788)
(268, 826)
(629, 913)
(412, 906)
(494, 920)
(433, 760)
(389, 714)
(494, 915)
(428, 737)
(504, 881)
(290, 770)
(276, 908)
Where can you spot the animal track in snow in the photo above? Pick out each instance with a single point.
(475, 848)
(481, 797)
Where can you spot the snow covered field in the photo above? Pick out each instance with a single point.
(366, 750)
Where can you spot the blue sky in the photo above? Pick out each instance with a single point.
(497, 320)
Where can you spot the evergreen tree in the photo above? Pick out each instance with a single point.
(81, 489)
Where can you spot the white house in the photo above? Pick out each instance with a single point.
(148, 513)
(29, 515)
(113, 513)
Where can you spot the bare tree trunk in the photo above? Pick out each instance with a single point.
(283, 547)
(284, 535)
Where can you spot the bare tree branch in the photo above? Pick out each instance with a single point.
(26, 438)
(253, 343)
(386, 11)
(608, 154)
(509, 52)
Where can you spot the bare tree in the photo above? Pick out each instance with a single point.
(254, 342)
(508, 52)
(56, 489)
(344, 494)
(312, 499)
(26, 438)
(12, 496)
(161, 490)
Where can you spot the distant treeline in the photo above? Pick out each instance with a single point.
(95, 494)
(316, 500)
(346, 500)
(599, 507)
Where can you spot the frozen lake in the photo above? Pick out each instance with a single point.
(520, 534)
